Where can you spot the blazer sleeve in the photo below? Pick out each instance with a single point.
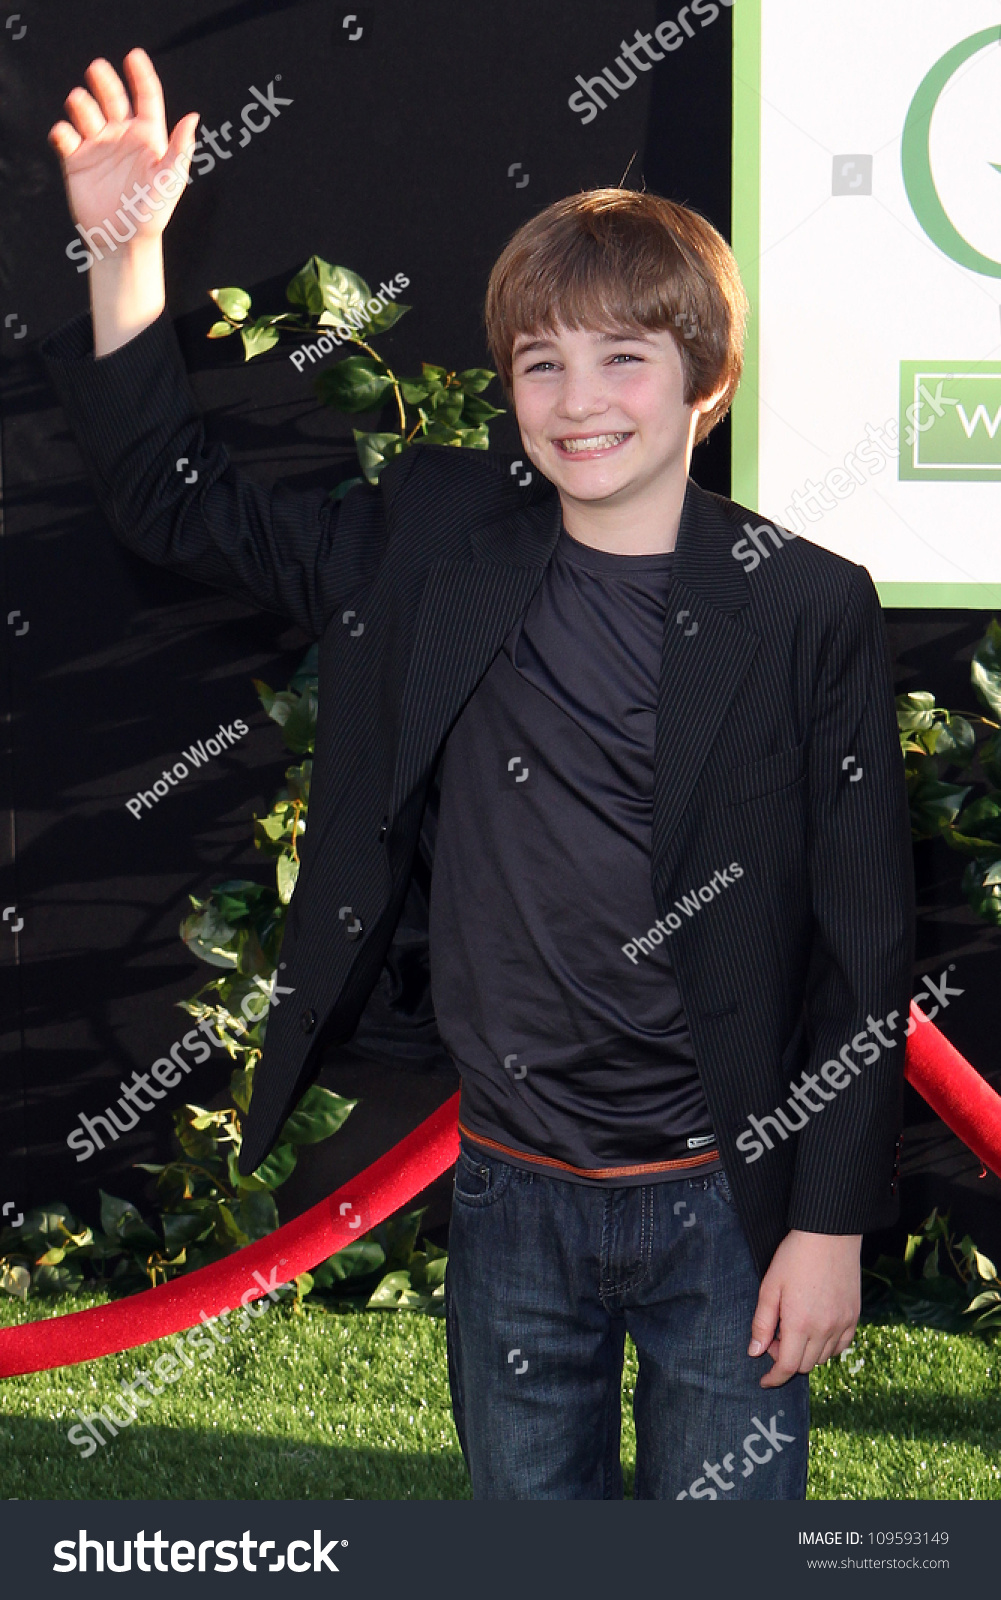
(135, 417)
(862, 887)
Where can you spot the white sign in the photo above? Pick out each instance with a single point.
(867, 224)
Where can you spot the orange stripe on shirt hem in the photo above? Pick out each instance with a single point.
(594, 1172)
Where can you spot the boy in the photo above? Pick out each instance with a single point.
(660, 891)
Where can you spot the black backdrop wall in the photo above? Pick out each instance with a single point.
(416, 147)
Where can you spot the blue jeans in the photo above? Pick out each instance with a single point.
(545, 1278)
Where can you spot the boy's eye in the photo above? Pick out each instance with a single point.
(626, 355)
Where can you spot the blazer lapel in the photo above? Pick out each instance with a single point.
(708, 647)
(468, 606)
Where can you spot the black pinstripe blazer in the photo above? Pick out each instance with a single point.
(770, 680)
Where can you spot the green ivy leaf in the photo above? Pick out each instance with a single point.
(446, 406)
(934, 804)
(241, 1084)
(275, 826)
(220, 330)
(475, 379)
(63, 1279)
(985, 668)
(258, 1213)
(983, 896)
(273, 1171)
(258, 337)
(234, 303)
(183, 1228)
(287, 873)
(915, 710)
(475, 411)
(209, 936)
(387, 318)
(15, 1280)
(299, 730)
(441, 433)
(474, 438)
(228, 1226)
(355, 384)
(121, 1220)
(304, 289)
(394, 1291)
(977, 829)
(357, 1260)
(294, 712)
(413, 391)
(319, 1113)
(375, 449)
(341, 289)
(197, 1143)
(398, 1235)
(955, 740)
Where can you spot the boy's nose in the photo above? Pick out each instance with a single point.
(581, 397)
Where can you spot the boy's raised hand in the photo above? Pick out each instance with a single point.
(110, 144)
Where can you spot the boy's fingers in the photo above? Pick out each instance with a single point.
(790, 1358)
(109, 90)
(147, 94)
(765, 1319)
(64, 139)
(85, 113)
(182, 142)
(827, 1349)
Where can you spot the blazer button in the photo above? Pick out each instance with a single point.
(383, 829)
(308, 1020)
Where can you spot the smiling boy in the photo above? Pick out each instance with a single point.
(569, 711)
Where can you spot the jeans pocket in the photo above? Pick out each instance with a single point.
(723, 1188)
(478, 1181)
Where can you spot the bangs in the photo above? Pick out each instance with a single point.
(599, 284)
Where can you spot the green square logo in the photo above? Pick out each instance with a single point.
(950, 420)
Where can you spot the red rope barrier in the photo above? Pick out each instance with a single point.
(955, 1090)
(249, 1273)
(952, 1087)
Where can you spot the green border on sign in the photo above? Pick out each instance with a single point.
(746, 235)
(746, 241)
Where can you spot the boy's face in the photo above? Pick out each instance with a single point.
(603, 415)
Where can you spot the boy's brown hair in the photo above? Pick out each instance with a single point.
(609, 259)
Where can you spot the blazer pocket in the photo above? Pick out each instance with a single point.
(779, 771)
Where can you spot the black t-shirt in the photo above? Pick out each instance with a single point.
(575, 1056)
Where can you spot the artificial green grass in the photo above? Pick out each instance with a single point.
(310, 1404)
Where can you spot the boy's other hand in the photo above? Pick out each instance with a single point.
(110, 145)
(809, 1303)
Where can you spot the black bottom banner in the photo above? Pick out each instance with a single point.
(421, 1548)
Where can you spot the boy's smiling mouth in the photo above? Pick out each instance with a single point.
(590, 444)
